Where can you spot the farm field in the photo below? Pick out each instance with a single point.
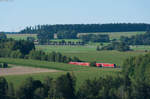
(21, 36)
(81, 76)
(44, 64)
(141, 48)
(81, 73)
(89, 53)
(116, 35)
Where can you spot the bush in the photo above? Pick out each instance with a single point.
(1, 65)
(5, 65)
(119, 46)
(93, 64)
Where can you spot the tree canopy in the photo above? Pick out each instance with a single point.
(86, 28)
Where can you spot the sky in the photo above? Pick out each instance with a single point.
(17, 14)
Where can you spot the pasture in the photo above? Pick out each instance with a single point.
(80, 76)
(44, 64)
(116, 35)
(140, 48)
(80, 72)
(89, 53)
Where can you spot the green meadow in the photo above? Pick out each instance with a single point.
(89, 53)
(80, 76)
(117, 35)
(80, 72)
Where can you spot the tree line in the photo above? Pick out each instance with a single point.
(119, 46)
(94, 38)
(3, 65)
(51, 57)
(124, 43)
(132, 82)
(26, 49)
(62, 42)
(86, 28)
(63, 87)
(141, 39)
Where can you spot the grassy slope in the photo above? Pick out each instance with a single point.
(105, 56)
(81, 73)
(89, 53)
(44, 64)
(81, 76)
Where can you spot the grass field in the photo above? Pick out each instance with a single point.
(89, 53)
(81, 73)
(81, 76)
(141, 47)
(21, 36)
(116, 35)
(44, 64)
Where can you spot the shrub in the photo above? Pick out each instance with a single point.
(93, 64)
(5, 65)
(1, 65)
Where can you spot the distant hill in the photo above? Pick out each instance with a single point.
(86, 28)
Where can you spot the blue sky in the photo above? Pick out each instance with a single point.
(17, 14)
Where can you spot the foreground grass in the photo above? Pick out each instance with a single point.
(81, 76)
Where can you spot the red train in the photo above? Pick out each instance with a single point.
(97, 64)
(106, 65)
(80, 63)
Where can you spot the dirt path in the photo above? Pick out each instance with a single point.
(17, 70)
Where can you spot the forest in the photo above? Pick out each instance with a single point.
(25, 49)
(86, 28)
